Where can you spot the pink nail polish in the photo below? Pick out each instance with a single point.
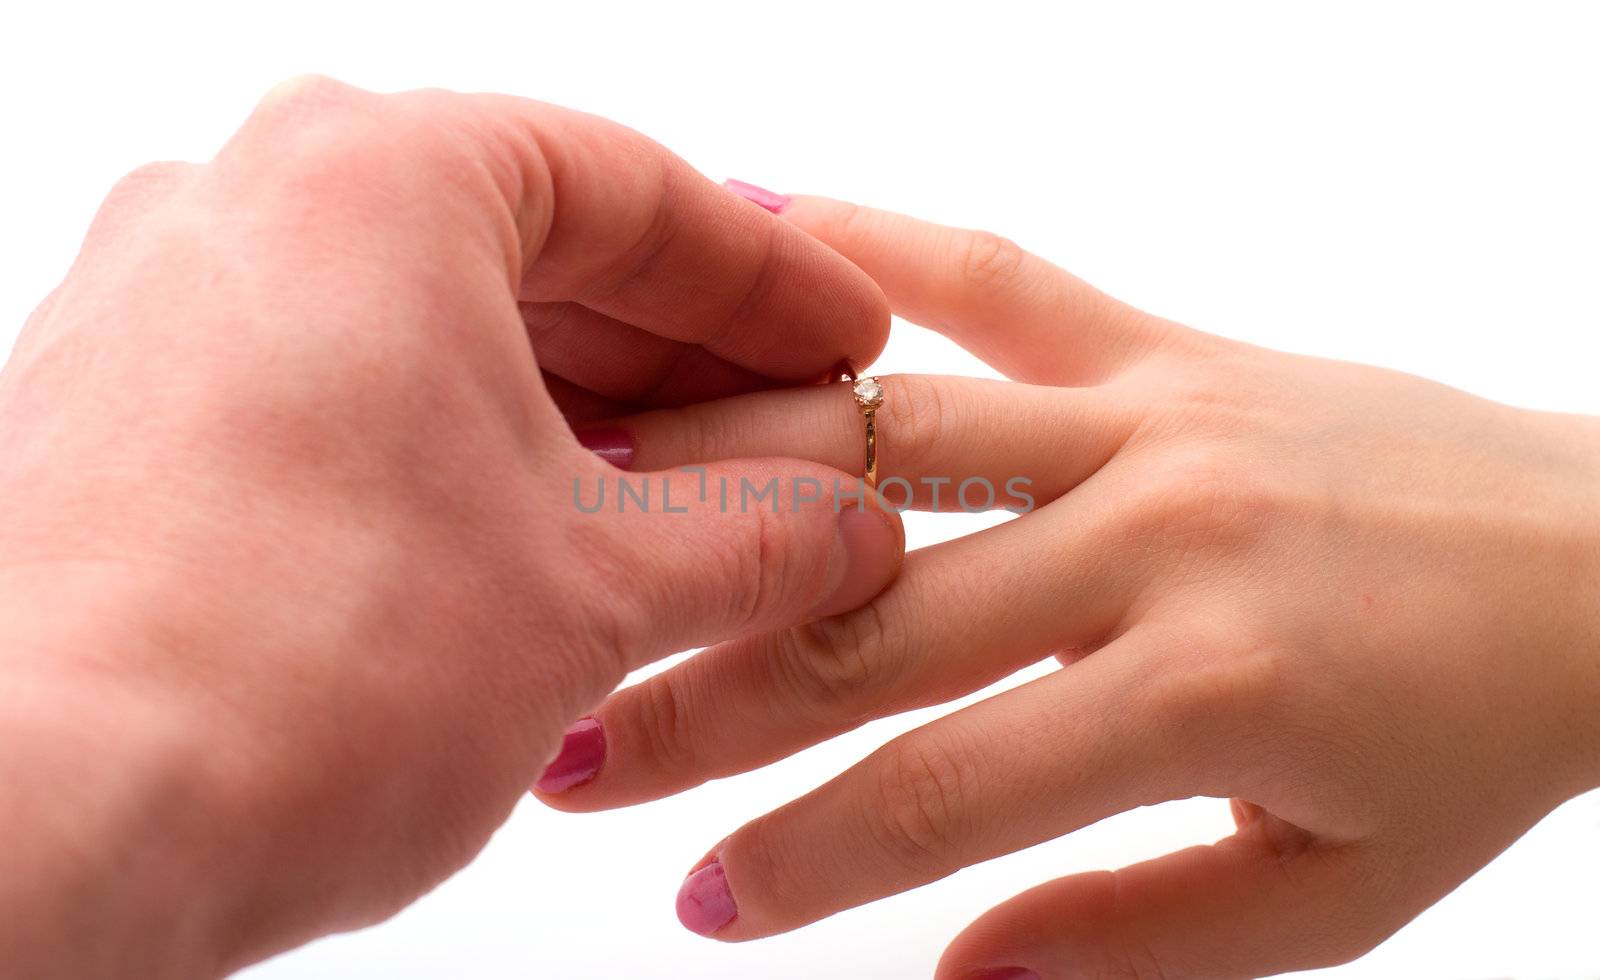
(1005, 973)
(615, 446)
(771, 200)
(704, 902)
(583, 751)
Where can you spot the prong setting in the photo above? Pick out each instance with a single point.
(868, 393)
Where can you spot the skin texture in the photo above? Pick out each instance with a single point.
(1360, 604)
(294, 600)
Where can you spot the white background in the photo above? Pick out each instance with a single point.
(1409, 185)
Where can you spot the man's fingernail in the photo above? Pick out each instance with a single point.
(1005, 973)
(583, 752)
(771, 200)
(615, 446)
(866, 547)
(704, 902)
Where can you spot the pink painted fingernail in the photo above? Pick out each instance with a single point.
(615, 446)
(583, 752)
(1005, 973)
(704, 902)
(771, 200)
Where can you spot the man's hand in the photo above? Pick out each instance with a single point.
(295, 600)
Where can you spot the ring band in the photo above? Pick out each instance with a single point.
(868, 394)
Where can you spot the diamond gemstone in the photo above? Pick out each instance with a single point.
(869, 393)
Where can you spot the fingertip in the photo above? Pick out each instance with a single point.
(800, 209)
(869, 546)
(768, 200)
(705, 901)
(611, 443)
(579, 760)
(824, 218)
(803, 209)
(1029, 932)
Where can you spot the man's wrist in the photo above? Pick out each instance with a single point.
(107, 804)
(1589, 611)
(1585, 597)
(102, 873)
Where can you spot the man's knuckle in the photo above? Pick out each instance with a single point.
(770, 569)
(619, 604)
(736, 580)
(761, 572)
(643, 236)
(328, 137)
(309, 93)
(138, 195)
(149, 180)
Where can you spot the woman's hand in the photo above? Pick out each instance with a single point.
(1360, 604)
(295, 599)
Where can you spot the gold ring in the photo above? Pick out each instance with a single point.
(868, 393)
